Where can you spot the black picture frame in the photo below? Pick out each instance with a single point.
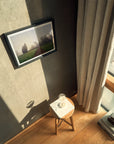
(32, 42)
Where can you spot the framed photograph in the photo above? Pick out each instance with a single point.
(32, 42)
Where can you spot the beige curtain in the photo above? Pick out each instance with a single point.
(93, 45)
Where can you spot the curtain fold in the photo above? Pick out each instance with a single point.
(94, 34)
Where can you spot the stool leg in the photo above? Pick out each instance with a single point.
(71, 119)
(56, 126)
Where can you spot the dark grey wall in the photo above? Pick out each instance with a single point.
(60, 67)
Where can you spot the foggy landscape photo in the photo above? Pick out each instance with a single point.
(33, 42)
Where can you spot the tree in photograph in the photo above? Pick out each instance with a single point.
(24, 48)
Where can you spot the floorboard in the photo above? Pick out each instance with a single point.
(87, 131)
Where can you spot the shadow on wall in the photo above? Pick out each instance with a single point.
(9, 126)
(59, 67)
(34, 113)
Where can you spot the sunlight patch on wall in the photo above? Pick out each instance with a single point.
(23, 85)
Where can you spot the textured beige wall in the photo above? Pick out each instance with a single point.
(42, 79)
(19, 86)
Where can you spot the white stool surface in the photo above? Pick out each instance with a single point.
(62, 111)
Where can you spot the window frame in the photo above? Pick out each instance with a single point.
(110, 82)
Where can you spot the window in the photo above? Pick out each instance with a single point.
(110, 76)
(108, 92)
(111, 64)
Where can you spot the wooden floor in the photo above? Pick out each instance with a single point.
(87, 131)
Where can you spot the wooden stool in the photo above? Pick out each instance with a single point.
(61, 114)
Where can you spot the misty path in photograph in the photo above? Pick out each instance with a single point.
(45, 45)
